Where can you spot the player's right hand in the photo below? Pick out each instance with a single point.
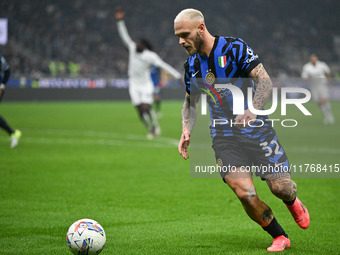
(246, 119)
(119, 14)
(184, 144)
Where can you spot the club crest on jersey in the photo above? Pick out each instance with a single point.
(222, 61)
(210, 78)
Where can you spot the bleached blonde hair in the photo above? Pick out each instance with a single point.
(191, 14)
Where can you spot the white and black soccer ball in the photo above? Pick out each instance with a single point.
(86, 237)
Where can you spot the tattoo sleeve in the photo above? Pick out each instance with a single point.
(189, 112)
(264, 86)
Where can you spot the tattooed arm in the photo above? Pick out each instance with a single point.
(189, 106)
(264, 86)
(262, 94)
(189, 114)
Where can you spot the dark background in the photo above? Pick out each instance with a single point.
(282, 33)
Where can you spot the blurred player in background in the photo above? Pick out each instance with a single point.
(141, 88)
(317, 74)
(239, 146)
(4, 76)
(156, 79)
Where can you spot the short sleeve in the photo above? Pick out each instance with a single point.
(245, 56)
(326, 68)
(3, 64)
(304, 73)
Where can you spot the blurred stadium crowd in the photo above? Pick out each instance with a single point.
(83, 33)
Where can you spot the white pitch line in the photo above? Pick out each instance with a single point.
(106, 142)
(317, 150)
(126, 139)
(92, 133)
(101, 138)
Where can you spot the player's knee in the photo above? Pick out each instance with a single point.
(145, 107)
(323, 101)
(285, 189)
(247, 195)
(139, 110)
(294, 187)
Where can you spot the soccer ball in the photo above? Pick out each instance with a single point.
(86, 236)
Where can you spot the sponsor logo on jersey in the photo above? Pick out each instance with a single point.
(252, 57)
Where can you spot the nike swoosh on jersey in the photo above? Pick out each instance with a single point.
(194, 74)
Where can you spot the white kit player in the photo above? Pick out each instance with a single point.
(318, 73)
(141, 88)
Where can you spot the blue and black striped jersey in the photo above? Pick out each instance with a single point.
(3, 64)
(4, 73)
(230, 61)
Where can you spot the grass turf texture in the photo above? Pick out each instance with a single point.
(92, 160)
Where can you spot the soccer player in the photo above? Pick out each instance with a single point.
(242, 145)
(4, 76)
(156, 79)
(141, 87)
(318, 73)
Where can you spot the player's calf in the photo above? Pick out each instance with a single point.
(282, 186)
(245, 191)
(286, 189)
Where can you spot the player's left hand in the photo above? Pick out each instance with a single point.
(119, 14)
(246, 119)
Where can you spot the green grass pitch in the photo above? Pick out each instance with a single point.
(92, 160)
